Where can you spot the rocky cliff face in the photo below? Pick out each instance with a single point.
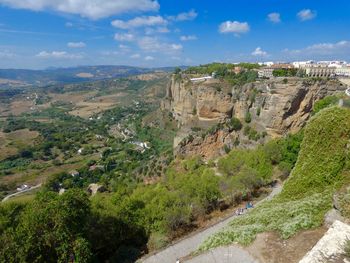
(204, 102)
(282, 107)
(275, 106)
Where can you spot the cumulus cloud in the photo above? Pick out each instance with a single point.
(258, 52)
(188, 38)
(185, 16)
(76, 44)
(306, 14)
(152, 44)
(149, 58)
(58, 55)
(128, 37)
(140, 22)
(93, 9)
(234, 27)
(274, 17)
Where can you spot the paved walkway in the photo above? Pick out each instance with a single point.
(231, 254)
(190, 244)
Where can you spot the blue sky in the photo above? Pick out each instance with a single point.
(60, 33)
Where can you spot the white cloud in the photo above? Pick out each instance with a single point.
(141, 21)
(124, 48)
(110, 53)
(341, 48)
(149, 58)
(135, 56)
(274, 17)
(7, 54)
(58, 55)
(306, 14)
(176, 46)
(151, 31)
(259, 52)
(152, 44)
(76, 44)
(121, 46)
(186, 16)
(69, 24)
(234, 27)
(93, 9)
(124, 37)
(188, 38)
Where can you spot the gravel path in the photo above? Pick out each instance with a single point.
(188, 245)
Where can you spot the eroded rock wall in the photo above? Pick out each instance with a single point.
(276, 107)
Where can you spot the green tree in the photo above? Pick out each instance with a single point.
(236, 124)
(52, 228)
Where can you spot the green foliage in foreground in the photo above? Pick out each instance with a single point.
(306, 195)
(285, 217)
(324, 103)
(65, 228)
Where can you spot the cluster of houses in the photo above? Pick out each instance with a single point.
(310, 68)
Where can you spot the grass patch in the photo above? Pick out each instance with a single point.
(307, 194)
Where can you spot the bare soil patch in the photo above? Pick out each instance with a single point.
(270, 248)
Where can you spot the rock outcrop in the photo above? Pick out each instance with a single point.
(198, 102)
(276, 107)
(96, 188)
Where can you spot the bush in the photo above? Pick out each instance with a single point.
(258, 111)
(248, 117)
(324, 103)
(236, 124)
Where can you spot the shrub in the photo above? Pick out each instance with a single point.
(324, 103)
(258, 111)
(248, 117)
(236, 124)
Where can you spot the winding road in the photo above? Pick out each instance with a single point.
(20, 192)
(189, 244)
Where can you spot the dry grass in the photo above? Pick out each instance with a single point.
(10, 142)
(96, 105)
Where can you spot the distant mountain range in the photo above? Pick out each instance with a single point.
(25, 77)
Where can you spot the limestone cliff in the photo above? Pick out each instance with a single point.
(276, 107)
(206, 102)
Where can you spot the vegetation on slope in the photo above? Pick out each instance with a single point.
(134, 217)
(245, 72)
(307, 194)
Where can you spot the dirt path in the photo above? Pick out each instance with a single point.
(190, 244)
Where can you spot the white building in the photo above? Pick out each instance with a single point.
(342, 72)
(303, 64)
(201, 79)
(332, 64)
